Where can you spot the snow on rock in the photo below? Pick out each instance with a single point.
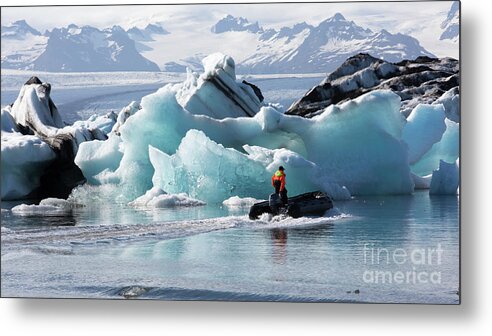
(419, 81)
(446, 179)
(238, 202)
(425, 126)
(158, 198)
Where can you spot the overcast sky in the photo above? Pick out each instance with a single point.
(421, 20)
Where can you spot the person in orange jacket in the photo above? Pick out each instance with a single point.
(278, 182)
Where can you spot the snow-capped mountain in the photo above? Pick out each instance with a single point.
(451, 25)
(146, 34)
(231, 23)
(90, 49)
(301, 48)
(305, 48)
(21, 45)
(193, 63)
(18, 30)
(73, 48)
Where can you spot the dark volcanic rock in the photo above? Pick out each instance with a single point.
(423, 80)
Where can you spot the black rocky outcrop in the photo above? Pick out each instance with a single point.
(423, 80)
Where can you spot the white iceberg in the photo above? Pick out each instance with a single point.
(216, 92)
(38, 149)
(238, 202)
(158, 198)
(48, 206)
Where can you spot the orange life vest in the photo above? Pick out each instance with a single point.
(279, 176)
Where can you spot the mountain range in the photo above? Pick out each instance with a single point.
(322, 48)
(76, 49)
(451, 25)
(301, 48)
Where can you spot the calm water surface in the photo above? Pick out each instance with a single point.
(371, 249)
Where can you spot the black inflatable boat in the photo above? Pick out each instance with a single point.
(311, 203)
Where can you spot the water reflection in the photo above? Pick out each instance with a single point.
(279, 239)
(32, 220)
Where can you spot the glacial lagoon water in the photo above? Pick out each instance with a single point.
(370, 249)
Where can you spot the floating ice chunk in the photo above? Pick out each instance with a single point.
(147, 197)
(158, 198)
(42, 210)
(445, 180)
(425, 126)
(238, 202)
(171, 201)
(48, 206)
(59, 203)
(35, 143)
(447, 150)
(422, 182)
